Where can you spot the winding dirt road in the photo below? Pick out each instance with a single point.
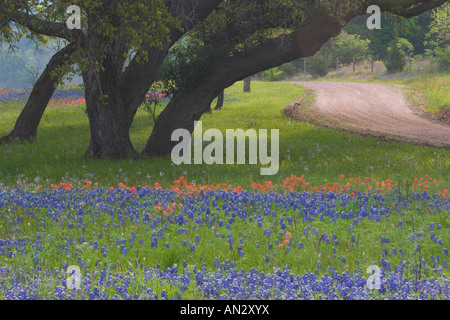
(377, 110)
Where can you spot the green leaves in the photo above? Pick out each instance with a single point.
(396, 58)
(440, 26)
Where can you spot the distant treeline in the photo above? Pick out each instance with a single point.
(21, 68)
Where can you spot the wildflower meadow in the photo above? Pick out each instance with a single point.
(327, 226)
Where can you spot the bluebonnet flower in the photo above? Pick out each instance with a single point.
(154, 242)
(385, 239)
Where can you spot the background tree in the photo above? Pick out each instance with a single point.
(220, 100)
(438, 38)
(344, 47)
(413, 29)
(440, 26)
(247, 84)
(319, 64)
(279, 73)
(396, 57)
(26, 125)
(27, 58)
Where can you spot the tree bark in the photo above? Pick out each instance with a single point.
(26, 126)
(220, 100)
(181, 113)
(247, 83)
(109, 118)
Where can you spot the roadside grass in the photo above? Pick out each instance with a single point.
(315, 152)
(430, 91)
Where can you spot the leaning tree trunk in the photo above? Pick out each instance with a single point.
(187, 107)
(181, 113)
(27, 124)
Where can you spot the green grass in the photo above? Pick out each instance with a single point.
(360, 247)
(431, 92)
(255, 243)
(318, 153)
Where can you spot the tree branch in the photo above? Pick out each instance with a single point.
(48, 28)
(190, 12)
(195, 11)
(416, 8)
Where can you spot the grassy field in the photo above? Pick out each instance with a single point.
(317, 153)
(361, 202)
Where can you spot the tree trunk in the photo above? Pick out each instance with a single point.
(114, 93)
(181, 113)
(109, 119)
(247, 82)
(27, 124)
(220, 100)
(187, 107)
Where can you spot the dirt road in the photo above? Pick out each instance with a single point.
(377, 110)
